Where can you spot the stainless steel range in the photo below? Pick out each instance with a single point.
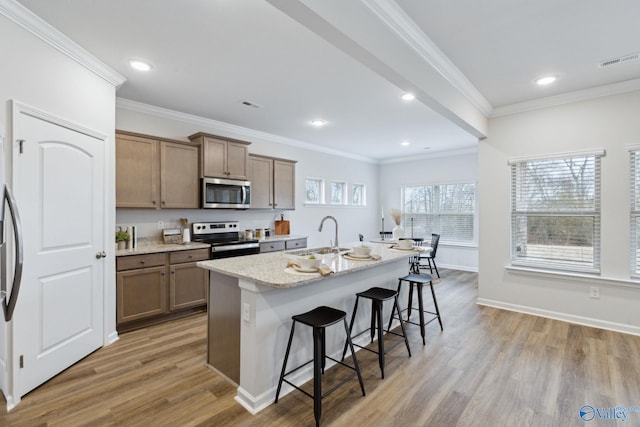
(224, 238)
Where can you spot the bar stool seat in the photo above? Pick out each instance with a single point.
(318, 319)
(418, 280)
(377, 297)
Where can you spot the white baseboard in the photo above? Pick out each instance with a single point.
(459, 267)
(570, 318)
(112, 337)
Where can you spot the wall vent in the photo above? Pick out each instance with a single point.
(620, 60)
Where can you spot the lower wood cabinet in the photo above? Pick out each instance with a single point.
(144, 293)
(141, 293)
(187, 286)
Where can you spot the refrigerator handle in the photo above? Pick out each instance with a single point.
(9, 303)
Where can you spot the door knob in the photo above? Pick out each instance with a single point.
(102, 254)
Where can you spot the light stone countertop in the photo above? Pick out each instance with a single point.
(268, 269)
(281, 237)
(158, 247)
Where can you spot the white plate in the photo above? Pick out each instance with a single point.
(352, 255)
(305, 270)
(403, 249)
(348, 256)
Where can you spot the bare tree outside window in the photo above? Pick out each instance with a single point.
(314, 191)
(556, 213)
(447, 209)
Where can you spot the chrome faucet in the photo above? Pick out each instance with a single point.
(334, 220)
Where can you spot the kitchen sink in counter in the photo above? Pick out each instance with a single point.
(251, 301)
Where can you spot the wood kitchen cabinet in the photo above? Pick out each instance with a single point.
(145, 296)
(273, 184)
(222, 157)
(156, 173)
(141, 287)
(187, 282)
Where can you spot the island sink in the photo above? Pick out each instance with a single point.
(320, 251)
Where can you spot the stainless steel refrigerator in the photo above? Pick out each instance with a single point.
(10, 237)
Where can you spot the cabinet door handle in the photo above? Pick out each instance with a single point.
(153, 201)
(141, 261)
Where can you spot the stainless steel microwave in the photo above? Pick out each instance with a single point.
(219, 193)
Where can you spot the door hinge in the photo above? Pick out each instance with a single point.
(21, 361)
(21, 142)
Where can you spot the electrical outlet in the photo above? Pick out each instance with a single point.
(246, 312)
(160, 225)
(594, 292)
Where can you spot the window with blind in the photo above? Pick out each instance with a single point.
(635, 212)
(447, 209)
(555, 217)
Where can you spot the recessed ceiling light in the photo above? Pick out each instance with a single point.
(408, 96)
(139, 65)
(318, 122)
(544, 81)
(405, 143)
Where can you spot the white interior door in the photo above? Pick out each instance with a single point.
(59, 187)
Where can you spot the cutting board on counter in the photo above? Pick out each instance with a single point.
(282, 226)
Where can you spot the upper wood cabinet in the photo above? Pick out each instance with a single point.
(156, 173)
(273, 182)
(222, 157)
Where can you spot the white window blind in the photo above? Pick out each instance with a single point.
(635, 213)
(448, 210)
(555, 218)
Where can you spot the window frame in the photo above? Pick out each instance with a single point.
(321, 190)
(439, 213)
(634, 211)
(560, 212)
(344, 194)
(363, 195)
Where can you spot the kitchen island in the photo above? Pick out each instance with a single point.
(251, 301)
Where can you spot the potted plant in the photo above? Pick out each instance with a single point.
(122, 237)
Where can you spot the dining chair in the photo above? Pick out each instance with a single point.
(430, 257)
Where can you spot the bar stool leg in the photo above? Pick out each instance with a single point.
(353, 355)
(323, 347)
(421, 307)
(317, 379)
(399, 312)
(376, 307)
(284, 364)
(353, 319)
(404, 333)
(410, 300)
(435, 303)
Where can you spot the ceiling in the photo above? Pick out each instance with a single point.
(349, 62)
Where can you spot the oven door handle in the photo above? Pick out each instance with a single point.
(235, 247)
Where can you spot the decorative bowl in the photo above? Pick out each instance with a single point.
(405, 243)
(361, 250)
(309, 261)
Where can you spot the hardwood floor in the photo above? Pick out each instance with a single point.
(488, 368)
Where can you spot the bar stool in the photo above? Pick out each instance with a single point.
(319, 318)
(418, 280)
(377, 297)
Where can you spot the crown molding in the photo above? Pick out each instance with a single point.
(227, 129)
(41, 29)
(397, 20)
(567, 98)
(432, 155)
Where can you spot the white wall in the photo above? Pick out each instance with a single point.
(611, 123)
(440, 168)
(38, 75)
(304, 220)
